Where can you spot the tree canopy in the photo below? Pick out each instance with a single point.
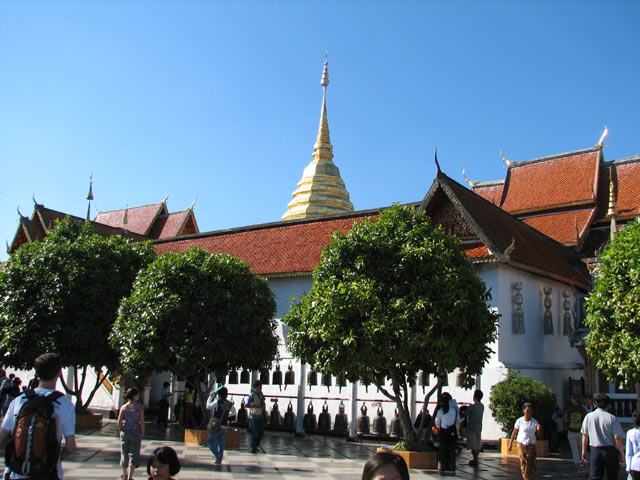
(613, 308)
(195, 313)
(509, 396)
(62, 295)
(391, 297)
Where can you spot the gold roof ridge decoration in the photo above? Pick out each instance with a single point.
(321, 190)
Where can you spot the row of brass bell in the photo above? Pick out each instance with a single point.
(323, 423)
(379, 423)
(326, 380)
(245, 377)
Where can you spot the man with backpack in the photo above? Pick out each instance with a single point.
(35, 423)
(221, 411)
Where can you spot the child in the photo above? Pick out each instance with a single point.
(163, 464)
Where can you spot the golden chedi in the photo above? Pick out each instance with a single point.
(321, 190)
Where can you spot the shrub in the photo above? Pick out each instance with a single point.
(508, 396)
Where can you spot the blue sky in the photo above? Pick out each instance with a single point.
(220, 100)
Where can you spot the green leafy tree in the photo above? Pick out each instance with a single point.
(394, 296)
(613, 309)
(195, 313)
(509, 395)
(62, 295)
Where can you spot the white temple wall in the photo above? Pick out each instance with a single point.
(549, 358)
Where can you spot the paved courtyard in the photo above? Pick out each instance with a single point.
(283, 457)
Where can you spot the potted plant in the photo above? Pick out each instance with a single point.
(507, 399)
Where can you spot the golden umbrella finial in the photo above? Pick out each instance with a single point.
(325, 73)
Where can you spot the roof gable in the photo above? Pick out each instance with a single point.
(139, 220)
(174, 225)
(506, 238)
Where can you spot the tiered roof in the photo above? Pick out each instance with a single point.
(489, 234)
(138, 223)
(567, 196)
(43, 219)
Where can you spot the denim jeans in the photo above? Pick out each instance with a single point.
(257, 430)
(216, 442)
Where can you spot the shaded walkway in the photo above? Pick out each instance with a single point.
(284, 456)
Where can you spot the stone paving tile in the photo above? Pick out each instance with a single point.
(284, 457)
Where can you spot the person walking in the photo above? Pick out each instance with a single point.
(573, 417)
(633, 448)
(524, 432)
(257, 408)
(163, 405)
(447, 420)
(602, 441)
(5, 382)
(131, 430)
(48, 368)
(222, 410)
(189, 394)
(474, 415)
(11, 393)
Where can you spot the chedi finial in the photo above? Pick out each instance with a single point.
(325, 75)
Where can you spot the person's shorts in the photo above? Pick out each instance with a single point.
(474, 440)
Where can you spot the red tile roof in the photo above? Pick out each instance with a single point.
(476, 251)
(626, 180)
(569, 228)
(139, 219)
(167, 226)
(549, 183)
(276, 248)
(490, 191)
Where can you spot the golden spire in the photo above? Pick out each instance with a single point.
(321, 190)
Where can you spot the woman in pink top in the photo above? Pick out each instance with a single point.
(131, 428)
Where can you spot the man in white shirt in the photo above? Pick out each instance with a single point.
(48, 368)
(602, 441)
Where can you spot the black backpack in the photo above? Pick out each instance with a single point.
(219, 417)
(33, 448)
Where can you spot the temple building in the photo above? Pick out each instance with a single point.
(149, 222)
(531, 237)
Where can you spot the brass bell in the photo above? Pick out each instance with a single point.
(277, 377)
(396, 426)
(245, 376)
(290, 418)
(324, 421)
(312, 378)
(242, 418)
(327, 381)
(424, 380)
(341, 423)
(289, 377)
(341, 381)
(366, 381)
(233, 377)
(364, 423)
(380, 423)
(309, 422)
(276, 418)
(264, 377)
